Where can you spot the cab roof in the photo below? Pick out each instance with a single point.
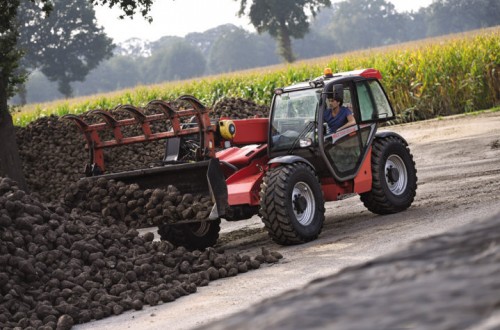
(339, 76)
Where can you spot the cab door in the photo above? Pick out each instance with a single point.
(373, 107)
(345, 150)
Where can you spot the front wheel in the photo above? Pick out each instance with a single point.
(394, 182)
(291, 204)
(193, 236)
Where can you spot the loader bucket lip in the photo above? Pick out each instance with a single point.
(206, 177)
(154, 170)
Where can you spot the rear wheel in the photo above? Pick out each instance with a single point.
(394, 174)
(291, 204)
(193, 236)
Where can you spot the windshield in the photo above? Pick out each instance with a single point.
(293, 113)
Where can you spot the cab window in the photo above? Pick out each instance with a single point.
(294, 115)
(373, 103)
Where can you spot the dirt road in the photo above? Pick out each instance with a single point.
(458, 163)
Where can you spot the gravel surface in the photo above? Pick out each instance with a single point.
(448, 281)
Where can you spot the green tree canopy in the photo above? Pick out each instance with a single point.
(357, 24)
(10, 55)
(116, 73)
(451, 16)
(64, 46)
(283, 19)
(239, 49)
(314, 45)
(128, 7)
(178, 60)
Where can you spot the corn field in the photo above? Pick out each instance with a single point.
(424, 79)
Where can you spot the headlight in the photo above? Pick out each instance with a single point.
(305, 142)
(227, 129)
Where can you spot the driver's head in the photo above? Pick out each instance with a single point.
(335, 92)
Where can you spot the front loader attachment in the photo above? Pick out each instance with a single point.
(201, 176)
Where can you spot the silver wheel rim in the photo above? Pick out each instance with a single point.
(394, 162)
(202, 229)
(302, 190)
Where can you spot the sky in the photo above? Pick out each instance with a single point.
(180, 17)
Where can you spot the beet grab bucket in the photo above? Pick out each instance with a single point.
(201, 175)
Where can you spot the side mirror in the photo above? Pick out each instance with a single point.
(333, 90)
(338, 90)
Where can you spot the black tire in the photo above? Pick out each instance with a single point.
(291, 204)
(193, 236)
(394, 182)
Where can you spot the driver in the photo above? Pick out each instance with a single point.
(336, 116)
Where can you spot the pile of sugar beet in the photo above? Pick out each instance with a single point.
(53, 156)
(69, 252)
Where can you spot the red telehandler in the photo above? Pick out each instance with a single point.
(283, 168)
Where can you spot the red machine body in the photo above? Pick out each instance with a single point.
(245, 165)
(245, 162)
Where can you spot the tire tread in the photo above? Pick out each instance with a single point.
(377, 200)
(273, 205)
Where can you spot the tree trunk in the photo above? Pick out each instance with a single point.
(285, 45)
(10, 163)
(23, 94)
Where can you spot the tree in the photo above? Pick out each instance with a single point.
(315, 45)
(205, 40)
(64, 46)
(116, 73)
(178, 60)
(10, 55)
(163, 43)
(357, 24)
(128, 7)
(283, 19)
(40, 90)
(451, 16)
(239, 49)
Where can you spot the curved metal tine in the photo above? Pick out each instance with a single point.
(136, 112)
(77, 120)
(108, 118)
(165, 107)
(195, 103)
(140, 118)
(170, 111)
(199, 108)
(110, 121)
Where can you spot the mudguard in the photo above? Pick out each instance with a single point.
(385, 134)
(289, 159)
